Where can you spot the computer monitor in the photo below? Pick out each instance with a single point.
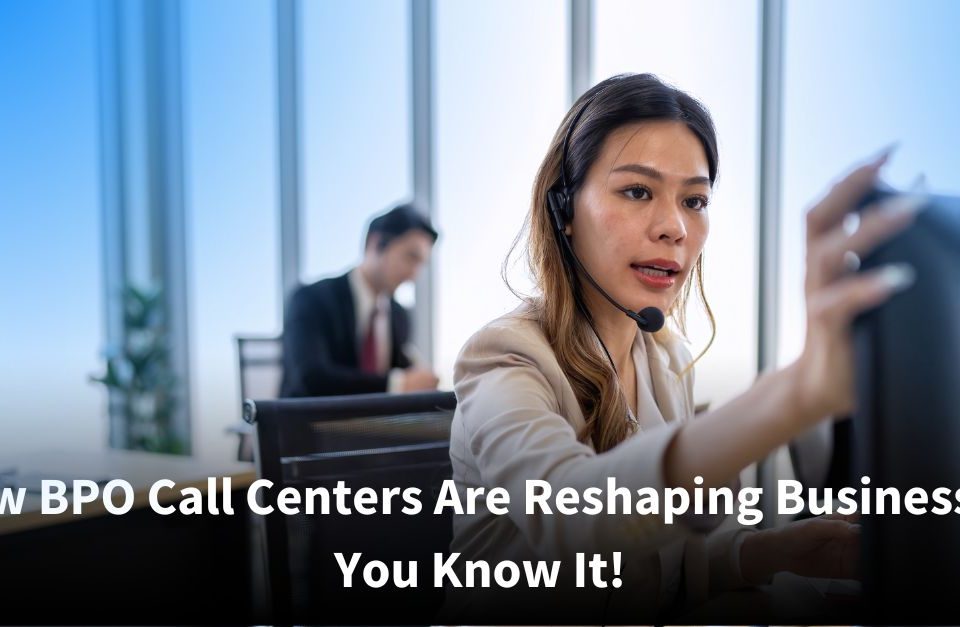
(907, 422)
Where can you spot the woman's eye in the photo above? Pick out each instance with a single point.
(697, 203)
(637, 193)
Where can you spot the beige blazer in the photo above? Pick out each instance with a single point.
(517, 418)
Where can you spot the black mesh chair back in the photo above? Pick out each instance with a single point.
(378, 442)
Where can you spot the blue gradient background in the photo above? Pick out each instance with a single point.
(859, 75)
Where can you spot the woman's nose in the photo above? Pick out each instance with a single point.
(667, 224)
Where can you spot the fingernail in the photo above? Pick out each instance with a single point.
(885, 154)
(903, 203)
(851, 261)
(898, 276)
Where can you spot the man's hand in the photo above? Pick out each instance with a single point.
(419, 380)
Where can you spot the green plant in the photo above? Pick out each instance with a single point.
(139, 376)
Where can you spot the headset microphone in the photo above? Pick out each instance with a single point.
(560, 203)
(649, 319)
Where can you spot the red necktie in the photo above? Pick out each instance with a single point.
(368, 354)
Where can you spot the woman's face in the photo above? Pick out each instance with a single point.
(640, 218)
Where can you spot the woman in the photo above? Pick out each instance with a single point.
(566, 389)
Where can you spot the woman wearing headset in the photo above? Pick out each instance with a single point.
(567, 390)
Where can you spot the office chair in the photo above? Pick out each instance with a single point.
(260, 368)
(375, 440)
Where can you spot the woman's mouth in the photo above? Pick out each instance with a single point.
(658, 274)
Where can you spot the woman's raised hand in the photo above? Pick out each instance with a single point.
(835, 294)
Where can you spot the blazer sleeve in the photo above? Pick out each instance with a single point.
(310, 367)
(722, 544)
(514, 429)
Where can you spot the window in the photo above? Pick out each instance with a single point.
(230, 96)
(854, 84)
(50, 238)
(501, 91)
(355, 78)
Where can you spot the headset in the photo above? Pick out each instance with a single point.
(560, 203)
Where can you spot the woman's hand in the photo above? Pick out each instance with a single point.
(835, 295)
(785, 403)
(826, 546)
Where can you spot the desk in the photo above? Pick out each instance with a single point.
(789, 599)
(138, 468)
(138, 567)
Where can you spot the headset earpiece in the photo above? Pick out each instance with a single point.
(558, 202)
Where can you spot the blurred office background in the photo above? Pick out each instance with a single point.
(223, 150)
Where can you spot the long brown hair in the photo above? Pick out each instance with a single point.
(558, 307)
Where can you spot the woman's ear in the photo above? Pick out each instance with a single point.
(568, 230)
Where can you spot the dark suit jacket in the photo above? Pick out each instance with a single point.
(320, 342)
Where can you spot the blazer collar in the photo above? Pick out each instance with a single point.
(669, 397)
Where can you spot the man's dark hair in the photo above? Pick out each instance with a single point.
(396, 223)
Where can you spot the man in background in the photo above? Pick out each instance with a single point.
(347, 335)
